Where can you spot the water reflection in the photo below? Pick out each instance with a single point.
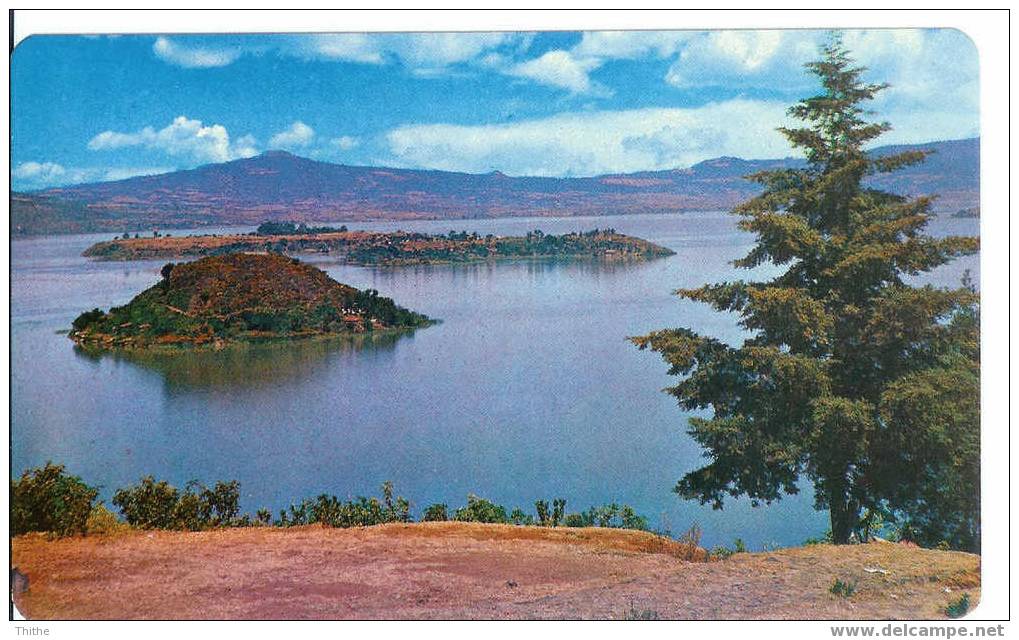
(249, 366)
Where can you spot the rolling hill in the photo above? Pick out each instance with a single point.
(280, 186)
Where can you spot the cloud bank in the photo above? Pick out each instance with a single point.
(38, 175)
(588, 143)
(182, 137)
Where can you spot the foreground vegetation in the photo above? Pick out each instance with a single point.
(390, 249)
(241, 297)
(49, 500)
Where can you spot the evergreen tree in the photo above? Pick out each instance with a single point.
(841, 380)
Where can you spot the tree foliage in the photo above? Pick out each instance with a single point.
(48, 499)
(858, 381)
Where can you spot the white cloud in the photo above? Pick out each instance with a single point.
(438, 50)
(589, 143)
(558, 68)
(929, 71)
(182, 137)
(39, 175)
(426, 53)
(934, 78)
(920, 64)
(351, 47)
(296, 135)
(745, 58)
(628, 45)
(193, 56)
(345, 143)
(245, 147)
(43, 172)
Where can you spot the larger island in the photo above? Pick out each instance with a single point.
(376, 248)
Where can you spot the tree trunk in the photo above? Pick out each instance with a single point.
(844, 517)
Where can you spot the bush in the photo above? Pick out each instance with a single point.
(481, 510)
(48, 499)
(723, 552)
(518, 517)
(159, 505)
(360, 512)
(438, 512)
(825, 539)
(611, 515)
(958, 608)
(149, 505)
(102, 521)
(842, 588)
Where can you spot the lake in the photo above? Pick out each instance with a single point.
(527, 390)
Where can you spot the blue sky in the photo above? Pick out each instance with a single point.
(92, 108)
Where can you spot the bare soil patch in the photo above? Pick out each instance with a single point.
(459, 570)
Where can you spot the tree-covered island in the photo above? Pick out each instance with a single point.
(241, 297)
(389, 249)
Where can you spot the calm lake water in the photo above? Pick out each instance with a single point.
(527, 389)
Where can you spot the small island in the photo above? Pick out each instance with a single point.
(368, 248)
(241, 297)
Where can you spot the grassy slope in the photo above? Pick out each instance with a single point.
(459, 570)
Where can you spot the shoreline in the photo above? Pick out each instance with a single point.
(92, 348)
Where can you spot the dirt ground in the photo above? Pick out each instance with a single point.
(459, 570)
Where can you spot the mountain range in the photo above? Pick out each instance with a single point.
(277, 185)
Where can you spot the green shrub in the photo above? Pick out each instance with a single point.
(102, 521)
(220, 505)
(360, 512)
(481, 510)
(438, 512)
(842, 588)
(575, 520)
(159, 505)
(518, 517)
(958, 608)
(611, 515)
(149, 505)
(50, 500)
(723, 552)
(825, 539)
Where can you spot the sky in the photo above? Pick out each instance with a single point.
(96, 108)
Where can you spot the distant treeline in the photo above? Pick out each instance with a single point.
(269, 228)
